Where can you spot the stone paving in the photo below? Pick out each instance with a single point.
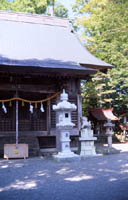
(96, 178)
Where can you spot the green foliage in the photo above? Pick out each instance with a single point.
(34, 6)
(4, 5)
(61, 11)
(97, 92)
(105, 26)
(29, 6)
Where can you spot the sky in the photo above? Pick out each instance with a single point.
(68, 5)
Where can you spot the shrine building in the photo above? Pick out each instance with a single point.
(39, 56)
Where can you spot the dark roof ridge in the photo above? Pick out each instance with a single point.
(34, 18)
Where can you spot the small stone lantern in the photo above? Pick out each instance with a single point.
(64, 125)
(109, 132)
(87, 147)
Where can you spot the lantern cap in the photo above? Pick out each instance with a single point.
(64, 96)
(64, 105)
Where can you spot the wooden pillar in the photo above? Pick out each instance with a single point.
(79, 105)
(48, 117)
(58, 145)
(17, 131)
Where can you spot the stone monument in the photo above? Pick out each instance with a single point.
(64, 125)
(87, 147)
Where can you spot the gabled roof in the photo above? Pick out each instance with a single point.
(41, 41)
(103, 114)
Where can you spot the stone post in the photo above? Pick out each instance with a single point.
(87, 147)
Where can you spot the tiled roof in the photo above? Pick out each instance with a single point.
(103, 114)
(42, 41)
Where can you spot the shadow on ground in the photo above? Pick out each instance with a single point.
(97, 178)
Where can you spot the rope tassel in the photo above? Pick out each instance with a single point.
(10, 104)
(4, 108)
(22, 103)
(42, 108)
(31, 108)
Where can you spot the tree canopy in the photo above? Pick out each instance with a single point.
(4, 5)
(104, 25)
(34, 6)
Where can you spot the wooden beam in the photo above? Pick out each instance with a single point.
(44, 72)
(23, 133)
(27, 88)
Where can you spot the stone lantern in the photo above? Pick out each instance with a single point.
(64, 125)
(109, 132)
(87, 147)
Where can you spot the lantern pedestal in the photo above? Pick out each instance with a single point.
(65, 153)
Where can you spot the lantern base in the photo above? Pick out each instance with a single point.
(111, 150)
(63, 156)
(106, 150)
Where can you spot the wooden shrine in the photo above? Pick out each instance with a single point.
(39, 56)
(99, 117)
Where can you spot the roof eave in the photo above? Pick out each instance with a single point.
(97, 67)
(82, 74)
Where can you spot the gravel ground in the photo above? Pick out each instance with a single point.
(96, 178)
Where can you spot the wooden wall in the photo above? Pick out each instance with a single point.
(38, 124)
